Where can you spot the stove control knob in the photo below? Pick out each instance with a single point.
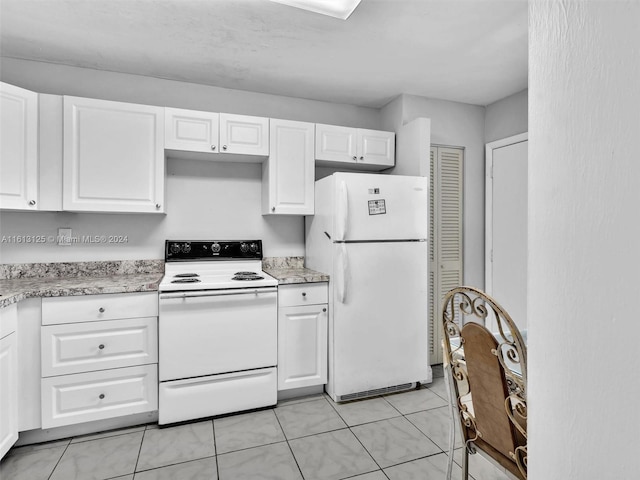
(175, 248)
(186, 248)
(215, 248)
(253, 247)
(244, 248)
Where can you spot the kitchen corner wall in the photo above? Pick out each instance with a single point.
(507, 117)
(203, 199)
(461, 125)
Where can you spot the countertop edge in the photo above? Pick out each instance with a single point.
(289, 276)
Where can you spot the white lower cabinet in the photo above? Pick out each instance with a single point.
(8, 392)
(84, 397)
(8, 378)
(302, 335)
(99, 357)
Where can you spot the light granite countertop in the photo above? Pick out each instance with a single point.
(20, 281)
(289, 270)
(296, 275)
(14, 290)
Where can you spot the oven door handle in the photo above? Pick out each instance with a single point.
(218, 293)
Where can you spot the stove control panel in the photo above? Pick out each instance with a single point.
(212, 250)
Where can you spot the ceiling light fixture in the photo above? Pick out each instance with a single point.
(333, 8)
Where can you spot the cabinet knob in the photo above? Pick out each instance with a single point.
(101, 346)
(213, 147)
(101, 309)
(361, 158)
(158, 206)
(101, 396)
(224, 147)
(324, 309)
(32, 202)
(273, 209)
(304, 294)
(355, 158)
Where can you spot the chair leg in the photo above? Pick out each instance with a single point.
(465, 464)
(453, 417)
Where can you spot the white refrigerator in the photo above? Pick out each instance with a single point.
(370, 234)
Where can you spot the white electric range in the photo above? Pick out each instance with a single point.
(217, 330)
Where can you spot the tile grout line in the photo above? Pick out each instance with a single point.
(215, 449)
(58, 462)
(286, 439)
(135, 467)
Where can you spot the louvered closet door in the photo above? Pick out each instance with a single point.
(445, 247)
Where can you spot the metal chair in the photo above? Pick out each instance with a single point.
(486, 377)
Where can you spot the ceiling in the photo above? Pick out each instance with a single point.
(471, 51)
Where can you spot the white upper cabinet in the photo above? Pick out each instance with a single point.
(336, 144)
(288, 175)
(376, 148)
(191, 130)
(18, 148)
(197, 132)
(355, 148)
(243, 134)
(113, 156)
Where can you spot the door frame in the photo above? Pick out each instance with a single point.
(488, 203)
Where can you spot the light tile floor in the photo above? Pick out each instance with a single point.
(401, 436)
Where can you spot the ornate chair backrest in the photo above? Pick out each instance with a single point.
(488, 376)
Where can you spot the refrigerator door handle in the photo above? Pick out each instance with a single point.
(343, 273)
(343, 211)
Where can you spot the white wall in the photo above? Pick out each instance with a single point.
(506, 117)
(461, 125)
(584, 223)
(204, 200)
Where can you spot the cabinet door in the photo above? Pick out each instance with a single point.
(191, 130)
(336, 144)
(113, 156)
(376, 148)
(18, 148)
(289, 174)
(244, 134)
(302, 346)
(8, 393)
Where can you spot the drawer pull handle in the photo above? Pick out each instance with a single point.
(101, 396)
(101, 346)
(304, 294)
(101, 309)
(324, 309)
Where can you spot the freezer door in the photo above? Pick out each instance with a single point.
(380, 316)
(380, 207)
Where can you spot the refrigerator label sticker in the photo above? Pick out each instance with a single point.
(377, 207)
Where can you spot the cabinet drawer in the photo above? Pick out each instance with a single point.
(85, 397)
(88, 308)
(86, 347)
(303, 294)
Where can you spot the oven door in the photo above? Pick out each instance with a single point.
(219, 331)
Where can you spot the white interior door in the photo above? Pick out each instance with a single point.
(506, 263)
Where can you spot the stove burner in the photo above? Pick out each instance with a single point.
(247, 277)
(185, 280)
(186, 275)
(245, 274)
